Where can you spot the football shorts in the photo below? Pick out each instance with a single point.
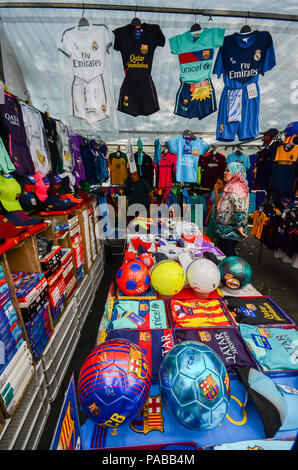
(138, 98)
(238, 114)
(195, 100)
(89, 99)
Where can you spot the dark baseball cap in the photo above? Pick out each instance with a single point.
(19, 218)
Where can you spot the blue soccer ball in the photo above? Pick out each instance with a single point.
(195, 386)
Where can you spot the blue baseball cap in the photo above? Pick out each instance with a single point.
(291, 129)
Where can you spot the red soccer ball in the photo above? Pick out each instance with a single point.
(133, 277)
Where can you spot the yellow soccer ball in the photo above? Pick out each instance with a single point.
(167, 277)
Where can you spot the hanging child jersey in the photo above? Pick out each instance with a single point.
(259, 220)
(119, 166)
(273, 348)
(241, 59)
(198, 313)
(133, 314)
(87, 51)
(137, 46)
(14, 135)
(226, 342)
(188, 152)
(255, 311)
(36, 137)
(196, 54)
(145, 168)
(166, 170)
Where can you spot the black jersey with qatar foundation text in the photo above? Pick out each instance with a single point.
(137, 46)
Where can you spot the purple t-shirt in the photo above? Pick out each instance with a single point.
(79, 167)
(226, 342)
(14, 136)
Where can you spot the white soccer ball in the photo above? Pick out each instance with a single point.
(203, 276)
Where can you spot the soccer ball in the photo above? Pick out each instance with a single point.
(167, 277)
(147, 259)
(133, 277)
(195, 386)
(203, 276)
(235, 272)
(114, 382)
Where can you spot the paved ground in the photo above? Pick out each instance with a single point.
(271, 277)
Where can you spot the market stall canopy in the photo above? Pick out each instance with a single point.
(30, 39)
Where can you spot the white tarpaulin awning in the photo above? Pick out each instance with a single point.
(30, 38)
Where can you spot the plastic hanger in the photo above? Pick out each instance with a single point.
(83, 23)
(246, 28)
(195, 27)
(188, 134)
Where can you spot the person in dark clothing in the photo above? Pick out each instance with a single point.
(138, 191)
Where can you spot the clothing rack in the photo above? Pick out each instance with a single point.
(153, 9)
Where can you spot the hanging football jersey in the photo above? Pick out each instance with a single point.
(166, 170)
(137, 46)
(51, 135)
(66, 158)
(14, 135)
(118, 166)
(212, 166)
(188, 152)
(145, 167)
(87, 51)
(240, 60)
(76, 143)
(36, 137)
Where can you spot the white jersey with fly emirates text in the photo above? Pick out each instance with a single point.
(86, 49)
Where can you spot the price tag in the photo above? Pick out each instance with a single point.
(252, 91)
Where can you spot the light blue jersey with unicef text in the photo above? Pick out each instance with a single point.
(188, 152)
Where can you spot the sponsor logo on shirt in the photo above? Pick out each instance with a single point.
(14, 120)
(245, 71)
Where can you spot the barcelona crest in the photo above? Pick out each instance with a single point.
(144, 48)
(210, 388)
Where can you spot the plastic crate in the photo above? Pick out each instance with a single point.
(18, 430)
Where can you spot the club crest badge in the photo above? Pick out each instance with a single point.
(210, 388)
(94, 45)
(257, 55)
(144, 48)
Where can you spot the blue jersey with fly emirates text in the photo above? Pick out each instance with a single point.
(188, 152)
(242, 58)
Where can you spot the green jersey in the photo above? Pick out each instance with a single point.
(196, 53)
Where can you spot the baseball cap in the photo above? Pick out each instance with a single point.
(20, 217)
(267, 397)
(270, 134)
(41, 187)
(71, 197)
(8, 230)
(9, 189)
(291, 129)
(55, 203)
